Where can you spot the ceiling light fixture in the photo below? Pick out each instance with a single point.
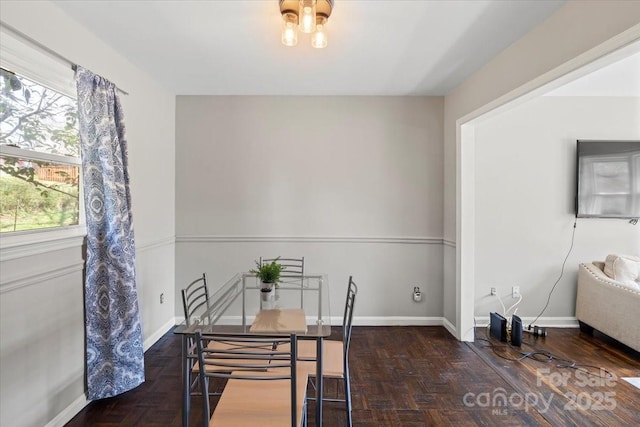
(307, 16)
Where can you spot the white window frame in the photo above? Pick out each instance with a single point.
(27, 60)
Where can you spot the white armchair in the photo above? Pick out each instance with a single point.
(607, 305)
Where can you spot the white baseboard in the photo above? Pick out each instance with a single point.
(547, 322)
(450, 327)
(391, 321)
(153, 338)
(69, 412)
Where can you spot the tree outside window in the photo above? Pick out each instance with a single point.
(39, 156)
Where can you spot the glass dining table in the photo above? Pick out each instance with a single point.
(299, 304)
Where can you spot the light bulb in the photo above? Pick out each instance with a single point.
(289, 29)
(307, 16)
(319, 38)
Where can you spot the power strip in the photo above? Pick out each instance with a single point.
(537, 331)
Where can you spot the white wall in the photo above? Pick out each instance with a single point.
(574, 30)
(41, 295)
(353, 184)
(525, 190)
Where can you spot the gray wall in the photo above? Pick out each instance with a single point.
(354, 184)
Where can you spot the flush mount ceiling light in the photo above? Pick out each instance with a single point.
(308, 16)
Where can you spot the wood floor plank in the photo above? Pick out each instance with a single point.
(420, 376)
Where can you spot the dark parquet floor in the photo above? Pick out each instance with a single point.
(421, 376)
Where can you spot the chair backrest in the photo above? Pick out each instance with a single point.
(228, 360)
(291, 267)
(347, 320)
(195, 299)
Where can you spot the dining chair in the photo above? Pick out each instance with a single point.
(196, 302)
(272, 395)
(335, 354)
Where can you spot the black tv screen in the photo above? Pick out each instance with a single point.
(608, 181)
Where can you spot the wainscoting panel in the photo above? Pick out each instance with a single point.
(386, 269)
(42, 301)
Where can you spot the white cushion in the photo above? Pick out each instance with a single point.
(624, 269)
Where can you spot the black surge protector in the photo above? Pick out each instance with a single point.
(498, 327)
(516, 331)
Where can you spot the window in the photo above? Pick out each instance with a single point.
(39, 158)
(39, 142)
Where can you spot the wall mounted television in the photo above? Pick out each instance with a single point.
(608, 179)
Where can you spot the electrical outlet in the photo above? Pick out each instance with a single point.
(161, 298)
(494, 291)
(515, 292)
(417, 295)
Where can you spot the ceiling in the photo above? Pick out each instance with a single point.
(376, 47)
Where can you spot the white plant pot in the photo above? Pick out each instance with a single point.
(267, 295)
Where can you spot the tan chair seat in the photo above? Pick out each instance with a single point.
(259, 403)
(332, 365)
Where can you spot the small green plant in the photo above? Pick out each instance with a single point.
(268, 273)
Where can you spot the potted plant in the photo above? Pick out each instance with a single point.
(269, 275)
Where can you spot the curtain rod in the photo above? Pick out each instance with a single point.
(48, 50)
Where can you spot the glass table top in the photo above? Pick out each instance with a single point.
(298, 304)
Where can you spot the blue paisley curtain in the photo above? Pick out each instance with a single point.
(114, 351)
